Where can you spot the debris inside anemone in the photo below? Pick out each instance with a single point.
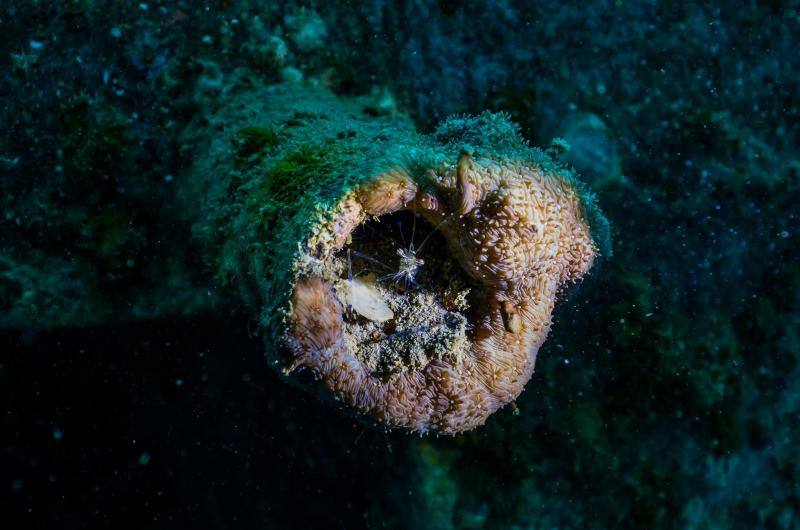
(406, 301)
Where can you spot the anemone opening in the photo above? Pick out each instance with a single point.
(406, 300)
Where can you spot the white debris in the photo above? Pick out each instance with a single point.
(363, 296)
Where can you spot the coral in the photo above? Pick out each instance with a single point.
(450, 333)
(520, 236)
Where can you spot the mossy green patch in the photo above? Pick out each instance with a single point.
(290, 177)
(252, 140)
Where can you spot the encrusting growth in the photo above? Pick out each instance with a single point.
(518, 235)
(413, 277)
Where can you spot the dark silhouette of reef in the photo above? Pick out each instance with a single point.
(666, 396)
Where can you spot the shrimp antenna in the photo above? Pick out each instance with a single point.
(370, 258)
(349, 266)
(400, 229)
(413, 230)
(435, 229)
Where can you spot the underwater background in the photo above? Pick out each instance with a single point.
(666, 396)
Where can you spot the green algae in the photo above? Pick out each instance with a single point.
(252, 140)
